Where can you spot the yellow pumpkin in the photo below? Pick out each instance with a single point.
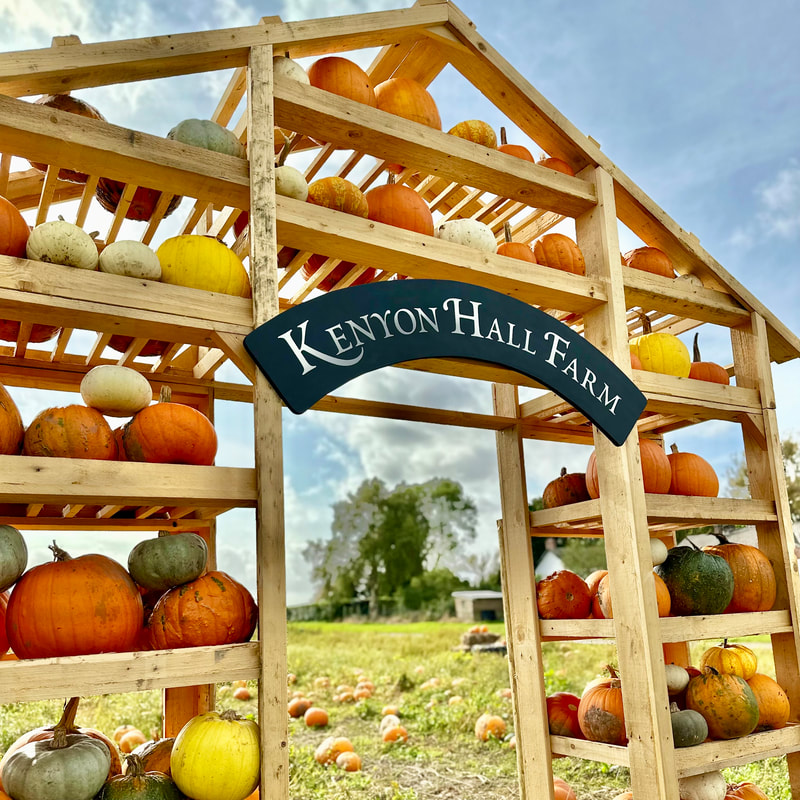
(661, 352)
(202, 262)
(731, 659)
(217, 757)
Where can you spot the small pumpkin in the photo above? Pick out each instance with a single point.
(490, 726)
(477, 131)
(773, 704)
(699, 583)
(604, 597)
(61, 242)
(202, 262)
(600, 711)
(131, 259)
(316, 717)
(209, 135)
(13, 557)
(70, 432)
(153, 755)
(513, 249)
(142, 206)
(298, 706)
(562, 715)
(688, 727)
(138, 783)
(284, 67)
(660, 352)
(691, 475)
(656, 472)
(343, 77)
(213, 609)
(130, 740)
(658, 551)
(167, 561)
(217, 757)
(349, 762)
(566, 489)
(706, 370)
(115, 391)
(14, 231)
(516, 150)
(745, 791)
(559, 252)
(468, 233)
(650, 259)
(562, 790)
(677, 678)
(731, 659)
(396, 733)
(563, 595)
(289, 181)
(330, 748)
(557, 164)
(12, 431)
(706, 786)
(726, 701)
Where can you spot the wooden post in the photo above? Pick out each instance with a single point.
(626, 533)
(525, 663)
(270, 547)
(776, 539)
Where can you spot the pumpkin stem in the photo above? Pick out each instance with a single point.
(288, 143)
(503, 139)
(673, 448)
(645, 320)
(58, 553)
(673, 707)
(67, 721)
(391, 178)
(286, 53)
(165, 395)
(563, 471)
(721, 538)
(134, 766)
(696, 349)
(507, 232)
(725, 642)
(612, 672)
(693, 545)
(230, 715)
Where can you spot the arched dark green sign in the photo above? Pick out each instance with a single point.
(315, 347)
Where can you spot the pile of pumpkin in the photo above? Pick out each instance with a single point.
(711, 786)
(91, 604)
(724, 698)
(213, 755)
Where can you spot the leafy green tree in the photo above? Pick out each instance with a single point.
(382, 539)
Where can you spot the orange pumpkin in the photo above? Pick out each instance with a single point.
(316, 717)
(557, 164)
(398, 205)
(12, 431)
(563, 595)
(691, 475)
(154, 755)
(9, 331)
(706, 370)
(409, 99)
(566, 489)
(341, 76)
(490, 726)
(600, 711)
(70, 432)
(562, 715)
(559, 252)
(727, 703)
(744, 791)
(298, 706)
(170, 433)
(130, 740)
(730, 659)
(656, 471)
(143, 203)
(650, 259)
(516, 150)
(154, 347)
(3, 635)
(663, 600)
(14, 230)
(477, 131)
(636, 362)
(754, 585)
(513, 249)
(331, 748)
(396, 733)
(773, 704)
(210, 610)
(73, 607)
(562, 790)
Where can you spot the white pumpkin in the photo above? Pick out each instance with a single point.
(290, 182)
(468, 232)
(677, 678)
(708, 786)
(61, 242)
(283, 65)
(690, 278)
(389, 721)
(130, 258)
(116, 391)
(658, 551)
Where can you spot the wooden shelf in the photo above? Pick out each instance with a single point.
(665, 512)
(107, 673)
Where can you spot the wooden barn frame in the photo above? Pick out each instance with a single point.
(458, 179)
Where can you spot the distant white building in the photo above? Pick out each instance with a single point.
(550, 561)
(478, 605)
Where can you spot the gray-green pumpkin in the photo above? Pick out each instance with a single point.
(208, 134)
(699, 583)
(70, 766)
(689, 727)
(170, 560)
(13, 556)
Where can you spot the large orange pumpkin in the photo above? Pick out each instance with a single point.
(773, 704)
(9, 331)
(516, 150)
(691, 475)
(754, 585)
(557, 164)
(656, 471)
(12, 430)
(144, 202)
(563, 595)
(170, 433)
(559, 252)
(73, 607)
(70, 432)
(398, 205)
(512, 249)
(341, 76)
(745, 791)
(14, 230)
(663, 600)
(650, 259)
(600, 712)
(727, 703)
(409, 99)
(214, 609)
(562, 715)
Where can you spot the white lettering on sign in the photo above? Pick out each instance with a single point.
(302, 349)
(474, 318)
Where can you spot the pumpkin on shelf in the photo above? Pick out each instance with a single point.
(477, 131)
(566, 489)
(213, 609)
(73, 105)
(202, 262)
(663, 601)
(139, 782)
(14, 231)
(559, 252)
(152, 347)
(170, 433)
(3, 636)
(512, 249)
(727, 703)
(650, 259)
(699, 583)
(562, 715)
(285, 67)
(209, 135)
(153, 755)
(131, 259)
(593, 581)
(706, 370)
(73, 607)
(730, 659)
(706, 786)
(10, 329)
(600, 711)
(13, 557)
(557, 164)
(342, 77)
(217, 757)
(12, 431)
(400, 206)
(130, 740)
(563, 595)
(62, 242)
(167, 561)
(677, 678)
(468, 233)
(773, 704)
(660, 352)
(745, 791)
(754, 584)
(73, 431)
(516, 150)
(689, 727)
(143, 203)
(692, 475)
(656, 472)
(115, 391)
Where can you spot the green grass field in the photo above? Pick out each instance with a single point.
(415, 667)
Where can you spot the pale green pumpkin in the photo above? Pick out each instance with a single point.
(170, 560)
(207, 134)
(13, 556)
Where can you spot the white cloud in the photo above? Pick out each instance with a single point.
(780, 203)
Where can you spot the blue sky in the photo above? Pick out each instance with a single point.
(699, 103)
